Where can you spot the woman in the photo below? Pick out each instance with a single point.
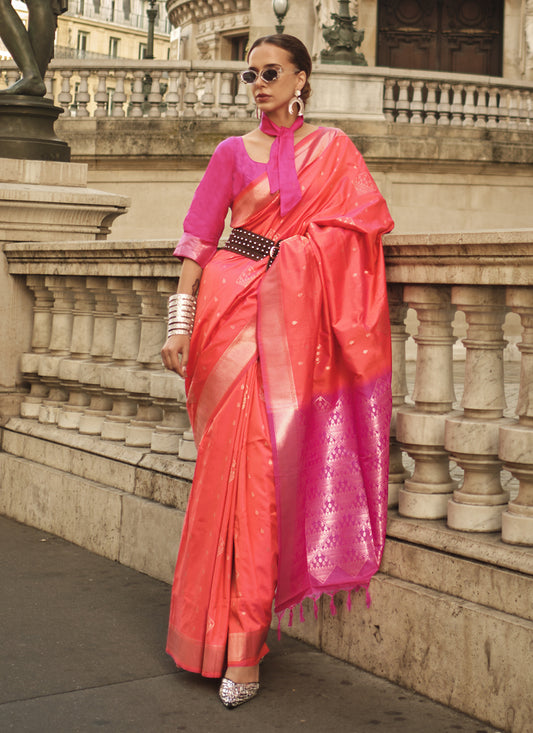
(287, 376)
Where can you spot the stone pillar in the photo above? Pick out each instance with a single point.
(70, 369)
(42, 330)
(115, 379)
(102, 346)
(472, 438)
(398, 312)
(516, 440)
(168, 392)
(420, 430)
(59, 348)
(152, 336)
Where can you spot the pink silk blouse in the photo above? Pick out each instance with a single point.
(229, 171)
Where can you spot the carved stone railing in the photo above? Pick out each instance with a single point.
(457, 100)
(148, 88)
(119, 88)
(484, 275)
(98, 327)
(99, 322)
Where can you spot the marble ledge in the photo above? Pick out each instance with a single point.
(139, 457)
(106, 258)
(493, 240)
(484, 547)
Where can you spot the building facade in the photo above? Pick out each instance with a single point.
(489, 37)
(96, 29)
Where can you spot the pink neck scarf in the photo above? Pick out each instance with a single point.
(281, 168)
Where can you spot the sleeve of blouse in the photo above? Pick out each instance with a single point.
(204, 223)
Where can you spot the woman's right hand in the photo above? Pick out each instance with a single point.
(175, 354)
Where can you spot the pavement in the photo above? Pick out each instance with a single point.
(82, 644)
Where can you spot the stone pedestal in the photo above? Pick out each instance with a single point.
(27, 129)
(40, 201)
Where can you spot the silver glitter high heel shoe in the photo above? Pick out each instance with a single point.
(236, 693)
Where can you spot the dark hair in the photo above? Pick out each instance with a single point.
(299, 55)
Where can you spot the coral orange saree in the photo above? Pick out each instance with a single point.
(289, 399)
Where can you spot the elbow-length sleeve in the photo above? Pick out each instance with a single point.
(204, 223)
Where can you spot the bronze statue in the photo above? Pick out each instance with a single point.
(31, 49)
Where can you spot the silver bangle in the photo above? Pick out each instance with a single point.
(181, 313)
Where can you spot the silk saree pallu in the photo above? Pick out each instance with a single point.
(324, 346)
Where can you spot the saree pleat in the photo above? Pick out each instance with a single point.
(225, 573)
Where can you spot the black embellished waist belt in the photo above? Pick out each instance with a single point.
(252, 245)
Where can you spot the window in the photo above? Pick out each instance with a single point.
(113, 47)
(238, 47)
(142, 50)
(82, 45)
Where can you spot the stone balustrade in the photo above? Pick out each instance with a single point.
(150, 88)
(99, 322)
(483, 275)
(457, 100)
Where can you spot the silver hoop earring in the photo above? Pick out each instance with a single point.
(297, 100)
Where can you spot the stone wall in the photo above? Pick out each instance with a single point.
(434, 178)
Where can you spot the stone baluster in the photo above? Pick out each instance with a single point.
(101, 96)
(102, 347)
(516, 440)
(137, 95)
(49, 80)
(398, 312)
(493, 111)
(503, 108)
(154, 97)
(523, 110)
(514, 103)
(58, 349)
(187, 450)
(402, 105)
(168, 392)
(190, 98)
(417, 105)
(225, 99)
(481, 107)
(69, 369)
(431, 106)
(444, 105)
(207, 101)
(42, 330)
(115, 379)
(65, 97)
(469, 108)
(242, 102)
(83, 97)
(472, 438)
(389, 105)
(420, 429)
(119, 97)
(456, 108)
(152, 337)
(172, 97)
